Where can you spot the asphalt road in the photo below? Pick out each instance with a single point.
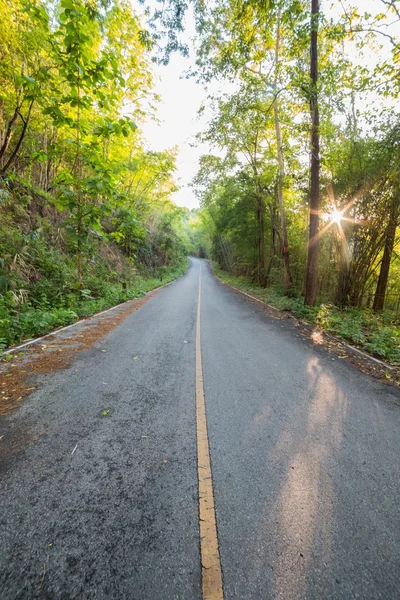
(99, 496)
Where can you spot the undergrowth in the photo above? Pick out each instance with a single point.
(26, 317)
(39, 285)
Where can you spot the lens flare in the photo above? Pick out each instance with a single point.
(336, 216)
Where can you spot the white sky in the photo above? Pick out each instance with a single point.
(181, 99)
(177, 113)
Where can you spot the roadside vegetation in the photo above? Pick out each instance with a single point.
(300, 192)
(86, 216)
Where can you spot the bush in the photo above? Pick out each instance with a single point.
(26, 319)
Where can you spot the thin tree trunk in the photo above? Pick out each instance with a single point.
(287, 279)
(390, 236)
(273, 230)
(52, 164)
(261, 273)
(261, 224)
(8, 133)
(20, 139)
(342, 293)
(313, 243)
(272, 251)
(343, 288)
(79, 253)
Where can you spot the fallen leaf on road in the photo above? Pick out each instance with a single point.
(135, 357)
(44, 574)
(38, 363)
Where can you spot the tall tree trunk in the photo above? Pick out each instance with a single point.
(390, 236)
(313, 243)
(287, 279)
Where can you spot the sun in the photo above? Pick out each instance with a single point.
(336, 216)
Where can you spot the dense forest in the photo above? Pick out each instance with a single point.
(86, 217)
(299, 194)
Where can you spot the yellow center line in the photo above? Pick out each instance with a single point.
(210, 560)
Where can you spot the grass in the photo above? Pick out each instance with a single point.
(375, 333)
(28, 321)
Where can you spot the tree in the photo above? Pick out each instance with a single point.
(76, 88)
(389, 239)
(24, 71)
(310, 296)
(240, 129)
(287, 279)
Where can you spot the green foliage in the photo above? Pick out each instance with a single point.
(86, 217)
(22, 320)
(254, 186)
